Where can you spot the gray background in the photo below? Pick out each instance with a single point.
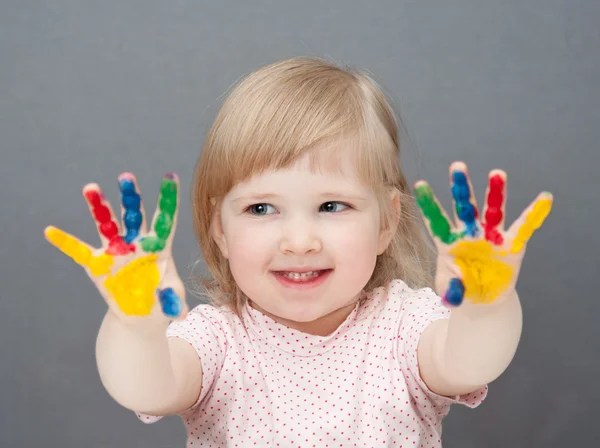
(90, 89)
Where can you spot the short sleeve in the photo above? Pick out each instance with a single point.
(420, 308)
(204, 328)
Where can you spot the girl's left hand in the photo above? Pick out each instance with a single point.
(477, 259)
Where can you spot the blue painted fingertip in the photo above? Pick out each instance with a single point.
(131, 201)
(460, 187)
(455, 292)
(169, 302)
(466, 212)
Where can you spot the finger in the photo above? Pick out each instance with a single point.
(495, 205)
(80, 252)
(132, 210)
(105, 221)
(530, 220)
(465, 205)
(165, 217)
(455, 293)
(437, 220)
(170, 303)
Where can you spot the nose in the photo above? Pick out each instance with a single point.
(300, 237)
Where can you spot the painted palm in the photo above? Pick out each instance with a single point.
(133, 269)
(477, 259)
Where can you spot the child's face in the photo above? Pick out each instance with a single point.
(282, 223)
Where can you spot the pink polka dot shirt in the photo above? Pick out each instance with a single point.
(266, 385)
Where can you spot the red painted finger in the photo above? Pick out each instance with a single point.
(106, 223)
(494, 210)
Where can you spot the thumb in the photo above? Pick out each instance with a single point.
(454, 293)
(172, 304)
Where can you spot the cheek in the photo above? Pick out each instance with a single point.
(355, 247)
(361, 236)
(248, 246)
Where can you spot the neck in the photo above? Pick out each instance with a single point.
(323, 326)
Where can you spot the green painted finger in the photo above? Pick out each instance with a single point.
(164, 218)
(437, 219)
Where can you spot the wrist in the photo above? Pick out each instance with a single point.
(508, 299)
(146, 325)
(481, 340)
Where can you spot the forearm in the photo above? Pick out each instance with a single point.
(471, 348)
(134, 363)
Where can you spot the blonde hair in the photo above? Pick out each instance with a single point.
(282, 111)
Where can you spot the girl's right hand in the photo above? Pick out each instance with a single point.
(134, 269)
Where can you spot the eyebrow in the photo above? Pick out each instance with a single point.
(255, 197)
(326, 195)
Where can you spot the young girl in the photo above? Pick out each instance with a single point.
(323, 332)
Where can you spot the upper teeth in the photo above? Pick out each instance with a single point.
(298, 275)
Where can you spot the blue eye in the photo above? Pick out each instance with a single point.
(333, 206)
(259, 209)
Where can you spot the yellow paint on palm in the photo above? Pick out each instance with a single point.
(484, 274)
(533, 221)
(134, 287)
(79, 252)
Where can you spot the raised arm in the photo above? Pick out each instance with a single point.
(480, 262)
(135, 273)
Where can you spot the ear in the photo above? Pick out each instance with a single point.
(388, 230)
(216, 228)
